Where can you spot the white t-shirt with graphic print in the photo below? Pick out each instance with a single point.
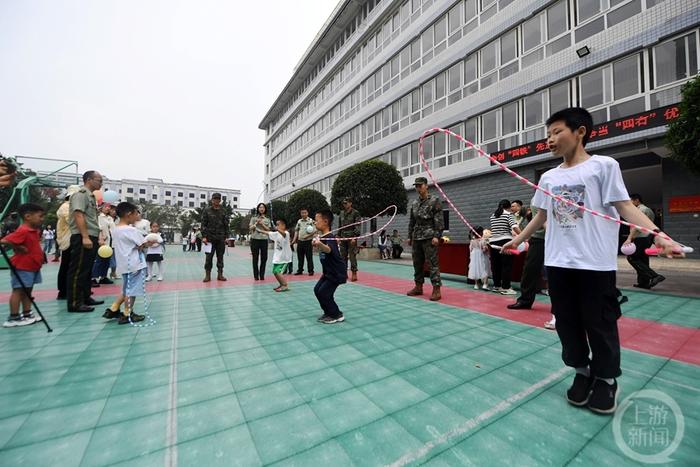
(575, 239)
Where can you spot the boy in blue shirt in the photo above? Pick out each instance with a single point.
(334, 270)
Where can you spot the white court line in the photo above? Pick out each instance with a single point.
(478, 420)
(171, 433)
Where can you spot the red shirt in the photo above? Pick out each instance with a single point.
(33, 259)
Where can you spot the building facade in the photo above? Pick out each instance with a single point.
(380, 73)
(159, 192)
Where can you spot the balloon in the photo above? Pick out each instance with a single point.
(110, 196)
(105, 251)
(154, 237)
(98, 196)
(310, 229)
(628, 249)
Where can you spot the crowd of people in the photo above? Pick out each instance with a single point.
(575, 252)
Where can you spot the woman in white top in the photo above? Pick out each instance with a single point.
(503, 226)
(383, 250)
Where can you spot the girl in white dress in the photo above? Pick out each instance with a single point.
(479, 265)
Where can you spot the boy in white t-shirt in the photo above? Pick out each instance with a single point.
(581, 256)
(282, 252)
(128, 244)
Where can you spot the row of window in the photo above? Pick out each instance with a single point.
(349, 31)
(623, 87)
(523, 46)
(190, 204)
(180, 194)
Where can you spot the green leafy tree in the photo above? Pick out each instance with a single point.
(277, 209)
(372, 185)
(239, 224)
(309, 199)
(683, 135)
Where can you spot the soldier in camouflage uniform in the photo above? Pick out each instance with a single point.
(215, 230)
(424, 231)
(348, 248)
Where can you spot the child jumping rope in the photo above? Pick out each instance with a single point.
(581, 256)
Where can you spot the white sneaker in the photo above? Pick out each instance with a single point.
(497, 289)
(476, 286)
(508, 292)
(31, 315)
(552, 325)
(148, 279)
(485, 287)
(16, 321)
(160, 278)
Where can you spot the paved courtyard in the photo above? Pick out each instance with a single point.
(235, 374)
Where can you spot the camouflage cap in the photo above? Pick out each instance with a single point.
(216, 195)
(420, 181)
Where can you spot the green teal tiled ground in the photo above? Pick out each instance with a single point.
(243, 376)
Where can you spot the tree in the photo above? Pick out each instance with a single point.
(309, 199)
(277, 209)
(239, 224)
(372, 185)
(683, 135)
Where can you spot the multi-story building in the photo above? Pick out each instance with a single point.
(159, 192)
(379, 73)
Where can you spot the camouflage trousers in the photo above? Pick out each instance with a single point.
(348, 249)
(424, 250)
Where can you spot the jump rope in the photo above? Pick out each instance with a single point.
(469, 144)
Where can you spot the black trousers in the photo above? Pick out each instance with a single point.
(62, 279)
(640, 261)
(396, 251)
(501, 266)
(199, 244)
(305, 250)
(586, 307)
(324, 291)
(259, 250)
(218, 248)
(80, 271)
(532, 270)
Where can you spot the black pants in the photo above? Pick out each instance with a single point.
(586, 307)
(532, 271)
(305, 250)
(640, 261)
(259, 250)
(218, 247)
(62, 280)
(500, 266)
(324, 291)
(199, 244)
(396, 251)
(79, 271)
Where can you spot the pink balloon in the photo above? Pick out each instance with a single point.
(628, 249)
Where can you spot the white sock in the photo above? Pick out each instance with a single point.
(160, 268)
(585, 371)
(149, 265)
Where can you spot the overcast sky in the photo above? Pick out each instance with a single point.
(172, 89)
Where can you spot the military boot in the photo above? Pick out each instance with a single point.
(416, 290)
(220, 276)
(207, 275)
(436, 294)
(354, 277)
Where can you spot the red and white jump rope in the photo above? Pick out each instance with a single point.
(524, 246)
